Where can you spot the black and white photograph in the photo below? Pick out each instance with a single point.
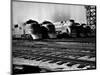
(52, 37)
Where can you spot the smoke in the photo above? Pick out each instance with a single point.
(22, 11)
(60, 16)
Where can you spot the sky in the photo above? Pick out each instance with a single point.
(23, 11)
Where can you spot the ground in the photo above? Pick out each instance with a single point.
(56, 54)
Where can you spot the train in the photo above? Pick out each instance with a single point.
(49, 30)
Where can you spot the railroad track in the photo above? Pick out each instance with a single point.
(55, 55)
